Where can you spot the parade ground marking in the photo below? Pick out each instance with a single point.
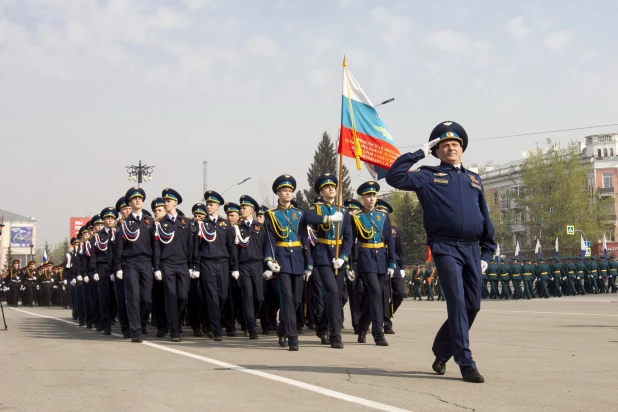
(292, 382)
(526, 311)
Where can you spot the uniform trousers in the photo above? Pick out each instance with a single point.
(331, 286)
(176, 282)
(159, 304)
(372, 303)
(398, 293)
(354, 300)
(104, 286)
(95, 306)
(290, 289)
(138, 277)
(251, 283)
(214, 277)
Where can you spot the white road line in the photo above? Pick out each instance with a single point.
(292, 382)
(524, 311)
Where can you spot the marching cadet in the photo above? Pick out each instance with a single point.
(376, 260)
(580, 274)
(555, 276)
(29, 276)
(83, 286)
(417, 280)
(287, 231)
(327, 222)
(252, 241)
(428, 276)
(613, 272)
(46, 278)
(77, 278)
(354, 207)
(133, 257)
(504, 274)
(395, 284)
(91, 261)
(232, 308)
(571, 274)
(268, 316)
(460, 234)
(527, 272)
(216, 255)
(99, 265)
(14, 283)
(603, 273)
(544, 272)
(593, 269)
(441, 291)
(515, 273)
(197, 309)
(492, 275)
(158, 296)
(124, 210)
(173, 252)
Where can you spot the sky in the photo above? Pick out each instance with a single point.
(89, 87)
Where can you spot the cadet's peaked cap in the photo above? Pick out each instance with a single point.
(284, 181)
(199, 208)
(249, 201)
(32, 262)
(368, 188)
(109, 211)
(262, 210)
(89, 224)
(82, 230)
(231, 207)
(384, 206)
(157, 202)
(325, 179)
(171, 194)
(97, 219)
(213, 197)
(15, 261)
(121, 204)
(134, 192)
(74, 240)
(352, 204)
(449, 131)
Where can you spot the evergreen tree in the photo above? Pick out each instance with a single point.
(57, 253)
(300, 201)
(325, 161)
(8, 258)
(408, 217)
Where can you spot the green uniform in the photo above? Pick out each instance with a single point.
(427, 280)
(516, 276)
(543, 271)
(556, 275)
(581, 272)
(593, 268)
(492, 275)
(571, 275)
(504, 275)
(603, 274)
(613, 273)
(527, 273)
(417, 279)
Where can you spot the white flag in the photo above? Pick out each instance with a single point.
(537, 248)
(517, 249)
(557, 249)
(582, 245)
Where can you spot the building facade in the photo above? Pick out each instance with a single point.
(19, 232)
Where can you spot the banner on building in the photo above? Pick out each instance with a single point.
(76, 224)
(21, 236)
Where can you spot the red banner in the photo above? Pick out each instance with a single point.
(76, 224)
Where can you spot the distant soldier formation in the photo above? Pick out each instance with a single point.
(35, 286)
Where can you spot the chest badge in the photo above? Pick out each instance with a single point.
(441, 181)
(440, 174)
(473, 179)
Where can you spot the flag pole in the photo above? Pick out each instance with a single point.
(339, 192)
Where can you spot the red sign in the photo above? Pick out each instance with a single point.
(76, 224)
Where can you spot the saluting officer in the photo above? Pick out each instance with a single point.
(460, 234)
(133, 257)
(326, 223)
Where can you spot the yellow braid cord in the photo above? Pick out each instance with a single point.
(277, 228)
(322, 227)
(362, 231)
(358, 152)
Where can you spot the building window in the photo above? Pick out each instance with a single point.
(610, 232)
(599, 153)
(611, 152)
(604, 152)
(495, 198)
(607, 180)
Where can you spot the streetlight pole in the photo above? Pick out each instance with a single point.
(140, 173)
(235, 184)
(385, 102)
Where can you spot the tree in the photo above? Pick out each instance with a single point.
(57, 253)
(8, 260)
(557, 193)
(408, 217)
(300, 201)
(324, 161)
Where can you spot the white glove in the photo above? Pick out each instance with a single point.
(235, 274)
(16, 277)
(52, 280)
(402, 273)
(390, 272)
(112, 278)
(79, 278)
(73, 282)
(577, 278)
(336, 217)
(268, 274)
(338, 263)
(95, 277)
(68, 257)
(86, 279)
(483, 266)
(158, 275)
(195, 274)
(273, 266)
(307, 275)
(551, 279)
(350, 275)
(427, 146)
(55, 287)
(37, 287)
(191, 273)
(64, 281)
(33, 277)
(119, 274)
(424, 282)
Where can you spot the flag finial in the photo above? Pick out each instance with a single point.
(344, 63)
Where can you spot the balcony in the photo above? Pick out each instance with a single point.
(605, 191)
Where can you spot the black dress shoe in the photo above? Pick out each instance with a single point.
(439, 367)
(311, 326)
(99, 329)
(381, 341)
(253, 336)
(209, 334)
(231, 333)
(137, 339)
(144, 330)
(218, 338)
(89, 326)
(473, 375)
(293, 346)
(336, 344)
(283, 342)
(323, 337)
(82, 323)
(161, 333)
(362, 338)
(389, 331)
(245, 332)
(126, 335)
(265, 332)
(197, 333)
(107, 332)
(176, 339)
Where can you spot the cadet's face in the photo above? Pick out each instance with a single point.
(125, 211)
(98, 227)
(246, 212)
(15, 265)
(260, 219)
(233, 217)
(328, 192)
(450, 152)
(285, 194)
(136, 203)
(170, 205)
(370, 200)
(109, 221)
(159, 212)
(198, 216)
(212, 208)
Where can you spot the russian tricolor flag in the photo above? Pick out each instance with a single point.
(363, 134)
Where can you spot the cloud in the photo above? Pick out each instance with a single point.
(200, 4)
(558, 40)
(263, 45)
(397, 25)
(518, 28)
(455, 42)
(592, 54)
(344, 4)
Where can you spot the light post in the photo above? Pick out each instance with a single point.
(385, 102)
(140, 173)
(235, 184)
